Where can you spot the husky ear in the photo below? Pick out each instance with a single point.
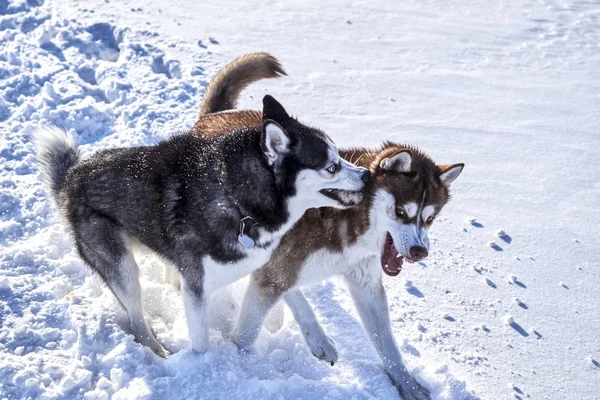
(450, 172)
(399, 162)
(273, 110)
(274, 141)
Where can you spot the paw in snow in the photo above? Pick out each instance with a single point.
(322, 347)
(410, 389)
(503, 235)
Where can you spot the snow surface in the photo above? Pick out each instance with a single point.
(507, 304)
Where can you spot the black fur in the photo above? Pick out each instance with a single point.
(190, 192)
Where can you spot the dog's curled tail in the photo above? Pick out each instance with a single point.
(56, 154)
(225, 88)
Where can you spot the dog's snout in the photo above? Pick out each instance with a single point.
(418, 253)
(366, 175)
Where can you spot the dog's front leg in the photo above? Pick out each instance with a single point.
(371, 302)
(195, 301)
(319, 343)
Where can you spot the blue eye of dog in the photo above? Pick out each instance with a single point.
(332, 169)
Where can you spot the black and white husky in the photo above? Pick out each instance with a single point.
(215, 207)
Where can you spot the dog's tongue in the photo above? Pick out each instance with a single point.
(390, 262)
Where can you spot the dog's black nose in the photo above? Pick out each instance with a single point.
(366, 175)
(418, 252)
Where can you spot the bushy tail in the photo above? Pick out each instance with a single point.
(57, 154)
(225, 88)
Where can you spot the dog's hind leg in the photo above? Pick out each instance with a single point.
(129, 293)
(103, 247)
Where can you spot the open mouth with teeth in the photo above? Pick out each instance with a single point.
(346, 198)
(391, 260)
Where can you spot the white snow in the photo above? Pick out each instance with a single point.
(508, 88)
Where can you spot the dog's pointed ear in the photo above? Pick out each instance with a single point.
(399, 162)
(273, 110)
(449, 173)
(274, 141)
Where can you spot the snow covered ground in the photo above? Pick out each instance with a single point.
(506, 306)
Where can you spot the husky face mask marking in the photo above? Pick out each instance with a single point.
(323, 178)
(407, 204)
(337, 182)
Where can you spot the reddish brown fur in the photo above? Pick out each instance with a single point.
(322, 228)
(226, 121)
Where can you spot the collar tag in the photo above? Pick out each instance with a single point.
(243, 238)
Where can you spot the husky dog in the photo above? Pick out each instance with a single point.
(406, 192)
(214, 207)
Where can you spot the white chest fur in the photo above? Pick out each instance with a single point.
(218, 274)
(324, 264)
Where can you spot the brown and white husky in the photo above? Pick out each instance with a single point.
(405, 194)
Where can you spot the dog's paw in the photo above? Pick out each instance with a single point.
(410, 389)
(162, 352)
(322, 347)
